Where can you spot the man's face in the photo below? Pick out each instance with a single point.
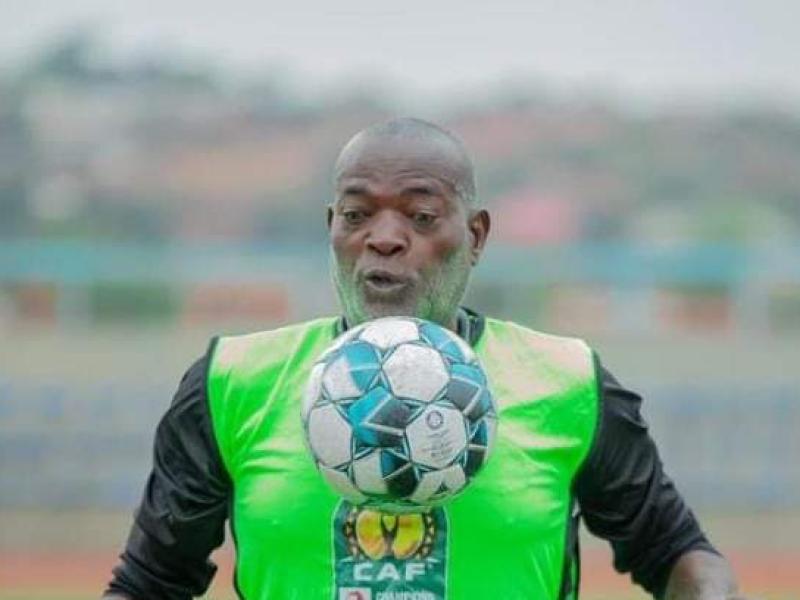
(402, 241)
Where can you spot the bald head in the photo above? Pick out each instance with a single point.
(404, 229)
(413, 142)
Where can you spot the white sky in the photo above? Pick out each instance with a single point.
(651, 50)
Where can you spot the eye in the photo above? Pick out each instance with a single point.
(354, 217)
(424, 219)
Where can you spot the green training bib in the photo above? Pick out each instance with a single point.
(503, 537)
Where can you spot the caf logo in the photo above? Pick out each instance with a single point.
(376, 535)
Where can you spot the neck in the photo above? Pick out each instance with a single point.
(458, 323)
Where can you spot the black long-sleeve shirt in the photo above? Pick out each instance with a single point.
(622, 492)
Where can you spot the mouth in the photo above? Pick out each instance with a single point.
(383, 283)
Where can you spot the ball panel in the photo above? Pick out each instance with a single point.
(368, 475)
(378, 418)
(340, 341)
(446, 342)
(329, 435)
(416, 372)
(364, 363)
(466, 350)
(473, 459)
(389, 332)
(464, 394)
(402, 480)
(436, 437)
(342, 485)
(467, 390)
(483, 432)
(436, 485)
(480, 445)
(483, 407)
(337, 380)
(313, 390)
(472, 373)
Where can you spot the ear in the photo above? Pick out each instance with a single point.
(330, 216)
(479, 223)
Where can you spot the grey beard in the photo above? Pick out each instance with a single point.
(437, 300)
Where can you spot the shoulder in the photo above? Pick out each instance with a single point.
(255, 350)
(514, 342)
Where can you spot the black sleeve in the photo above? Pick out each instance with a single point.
(182, 514)
(626, 497)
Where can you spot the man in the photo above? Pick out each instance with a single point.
(405, 231)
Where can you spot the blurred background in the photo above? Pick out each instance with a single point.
(164, 169)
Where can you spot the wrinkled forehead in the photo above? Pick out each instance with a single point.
(397, 158)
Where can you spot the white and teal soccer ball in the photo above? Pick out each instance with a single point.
(398, 414)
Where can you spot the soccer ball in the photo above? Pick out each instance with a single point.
(398, 414)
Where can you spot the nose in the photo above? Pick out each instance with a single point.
(387, 236)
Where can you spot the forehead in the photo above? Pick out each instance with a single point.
(397, 162)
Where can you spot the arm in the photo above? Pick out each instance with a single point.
(626, 498)
(702, 575)
(182, 514)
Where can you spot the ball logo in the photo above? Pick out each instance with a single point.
(434, 419)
